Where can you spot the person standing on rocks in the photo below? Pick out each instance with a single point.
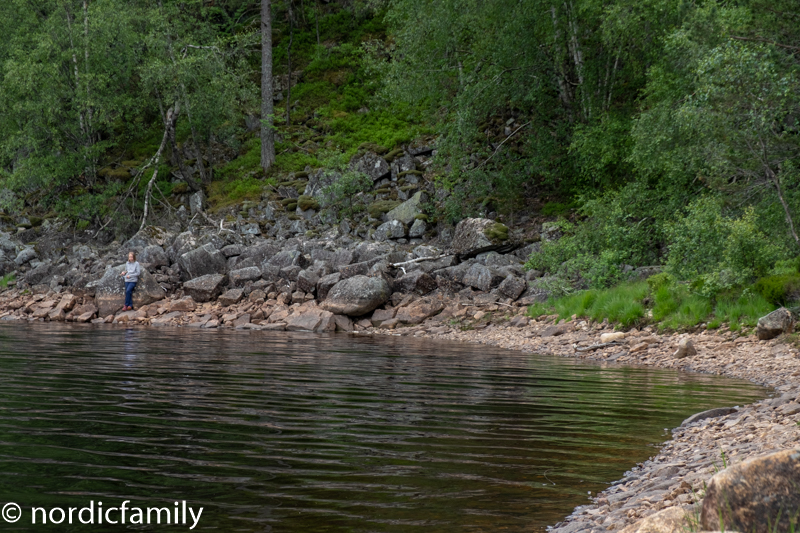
(132, 272)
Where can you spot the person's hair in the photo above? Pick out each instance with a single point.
(132, 253)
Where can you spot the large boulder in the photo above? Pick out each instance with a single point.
(757, 495)
(202, 261)
(110, 290)
(25, 255)
(513, 287)
(205, 288)
(777, 322)
(670, 520)
(408, 210)
(357, 296)
(373, 166)
(478, 233)
(243, 275)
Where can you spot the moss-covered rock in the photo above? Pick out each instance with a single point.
(180, 188)
(36, 221)
(307, 202)
(286, 201)
(292, 206)
(377, 209)
(410, 172)
(391, 156)
(422, 216)
(373, 147)
(497, 232)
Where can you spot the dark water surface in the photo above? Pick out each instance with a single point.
(294, 433)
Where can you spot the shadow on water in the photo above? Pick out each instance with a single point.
(291, 432)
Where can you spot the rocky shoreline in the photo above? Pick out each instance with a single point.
(470, 289)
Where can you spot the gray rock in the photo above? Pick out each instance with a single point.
(408, 210)
(290, 272)
(373, 166)
(243, 275)
(205, 288)
(184, 242)
(403, 163)
(202, 261)
(155, 256)
(232, 250)
(288, 258)
(471, 234)
(197, 202)
(231, 297)
(774, 324)
(307, 281)
(482, 278)
(270, 273)
(426, 251)
(110, 290)
(24, 256)
(326, 283)
(393, 229)
(250, 229)
(417, 281)
(531, 275)
(357, 296)
(39, 274)
(513, 287)
(418, 228)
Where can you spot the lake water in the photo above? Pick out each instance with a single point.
(293, 433)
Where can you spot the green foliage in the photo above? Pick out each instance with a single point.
(779, 289)
(307, 202)
(551, 209)
(228, 192)
(744, 310)
(6, 279)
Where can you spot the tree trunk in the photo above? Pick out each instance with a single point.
(169, 128)
(267, 134)
(289, 61)
(776, 182)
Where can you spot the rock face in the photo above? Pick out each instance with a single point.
(777, 322)
(357, 296)
(757, 495)
(202, 261)
(205, 288)
(110, 290)
(476, 233)
(408, 210)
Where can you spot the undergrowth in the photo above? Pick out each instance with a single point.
(670, 305)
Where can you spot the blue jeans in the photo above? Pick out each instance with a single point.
(129, 286)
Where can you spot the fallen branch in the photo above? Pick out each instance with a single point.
(418, 260)
(594, 347)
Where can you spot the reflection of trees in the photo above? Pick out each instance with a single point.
(331, 425)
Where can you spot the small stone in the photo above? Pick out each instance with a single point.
(685, 349)
(612, 337)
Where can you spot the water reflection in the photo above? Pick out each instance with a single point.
(292, 432)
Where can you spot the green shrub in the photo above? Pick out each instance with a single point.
(779, 289)
(497, 232)
(6, 279)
